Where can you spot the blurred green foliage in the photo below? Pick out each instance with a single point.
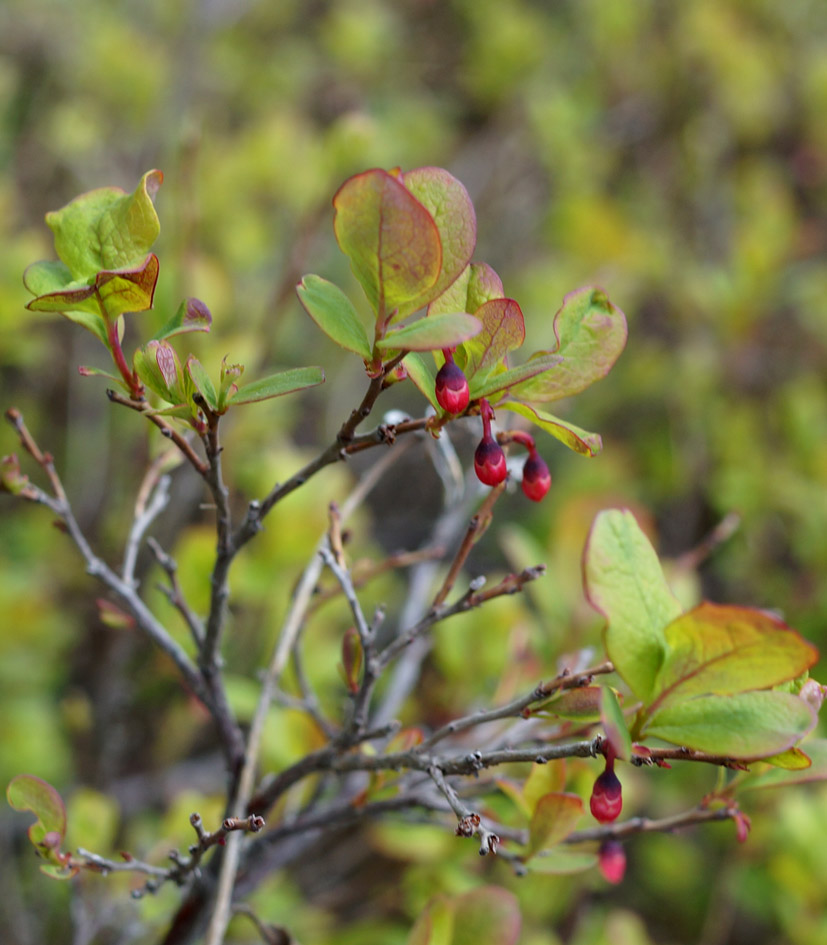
(675, 153)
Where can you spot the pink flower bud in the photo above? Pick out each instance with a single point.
(536, 477)
(452, 393)
(611, 860)
(489, 462)
(607, 798)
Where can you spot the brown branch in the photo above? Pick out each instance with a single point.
(142, 407)
(476, 528)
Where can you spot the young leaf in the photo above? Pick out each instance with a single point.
(276, 385)
(542, 780)
(128, 290)
(391, 239)
(778, 777)
(747, 725)
(334, 313)
(577, 705)
(723, 649)
(503, 330)
(451, 209)
(428, 334)
(553, 819)
(422, 373)
(117, 291)
(614, 724)
(192, 315)
(107, 229)
(577, 439)
(27, 792)
(591, 334)
(624, 582)
(203, 383)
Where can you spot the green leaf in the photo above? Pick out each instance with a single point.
(117, 291)
(27, 792)
(778, 777)
(192, 315)
(202, 382)
(542, 780)
(423, 374)
(577, 439)
(487, 382)
(107, 229)
(614, 724)
(793, 759)
(560, 861)
(391, 239)
(724, 649)
(334, 313)
(451, 209)
(624, 582)
(503, 330)
(577, 705)
(489, 915)
(591, 334)
(431, 333)
(747, 725)
(276, 385)
(159, 369)
(554, 818)
(128, 290)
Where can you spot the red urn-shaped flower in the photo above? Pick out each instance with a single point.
(451, 388)
(611, 860)
(536, 477)
(489, 462)
(607, 795)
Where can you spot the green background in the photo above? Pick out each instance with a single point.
(673, 152)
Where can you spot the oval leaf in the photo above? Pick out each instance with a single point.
(555, 817)
(430, 334)
(624, 582)
(778, 777)
(614, 724)
(334, 313)
(503, 330)
(276, 385)
(451, 209)
(391, 239)
(192, 315)
(423, 374)
(747, 725)
(27, 792)
(591, 334)
(577, 439)
(722, 649)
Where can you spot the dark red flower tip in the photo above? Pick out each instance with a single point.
(452, 393)
(489, 462)
(611, 860)
(607, 797)
(536, 477)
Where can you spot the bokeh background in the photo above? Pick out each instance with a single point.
(673, 152)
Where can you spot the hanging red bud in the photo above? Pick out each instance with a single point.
(611, 860)
(489, 462)
(536, 477)
(452, 393)
(607, 795)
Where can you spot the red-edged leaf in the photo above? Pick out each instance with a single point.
(553, 819)
(432, 333)
(724, 649)
(391, 239)
(503, 330)
(451, 209)
(591, 334)
(28, 792)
